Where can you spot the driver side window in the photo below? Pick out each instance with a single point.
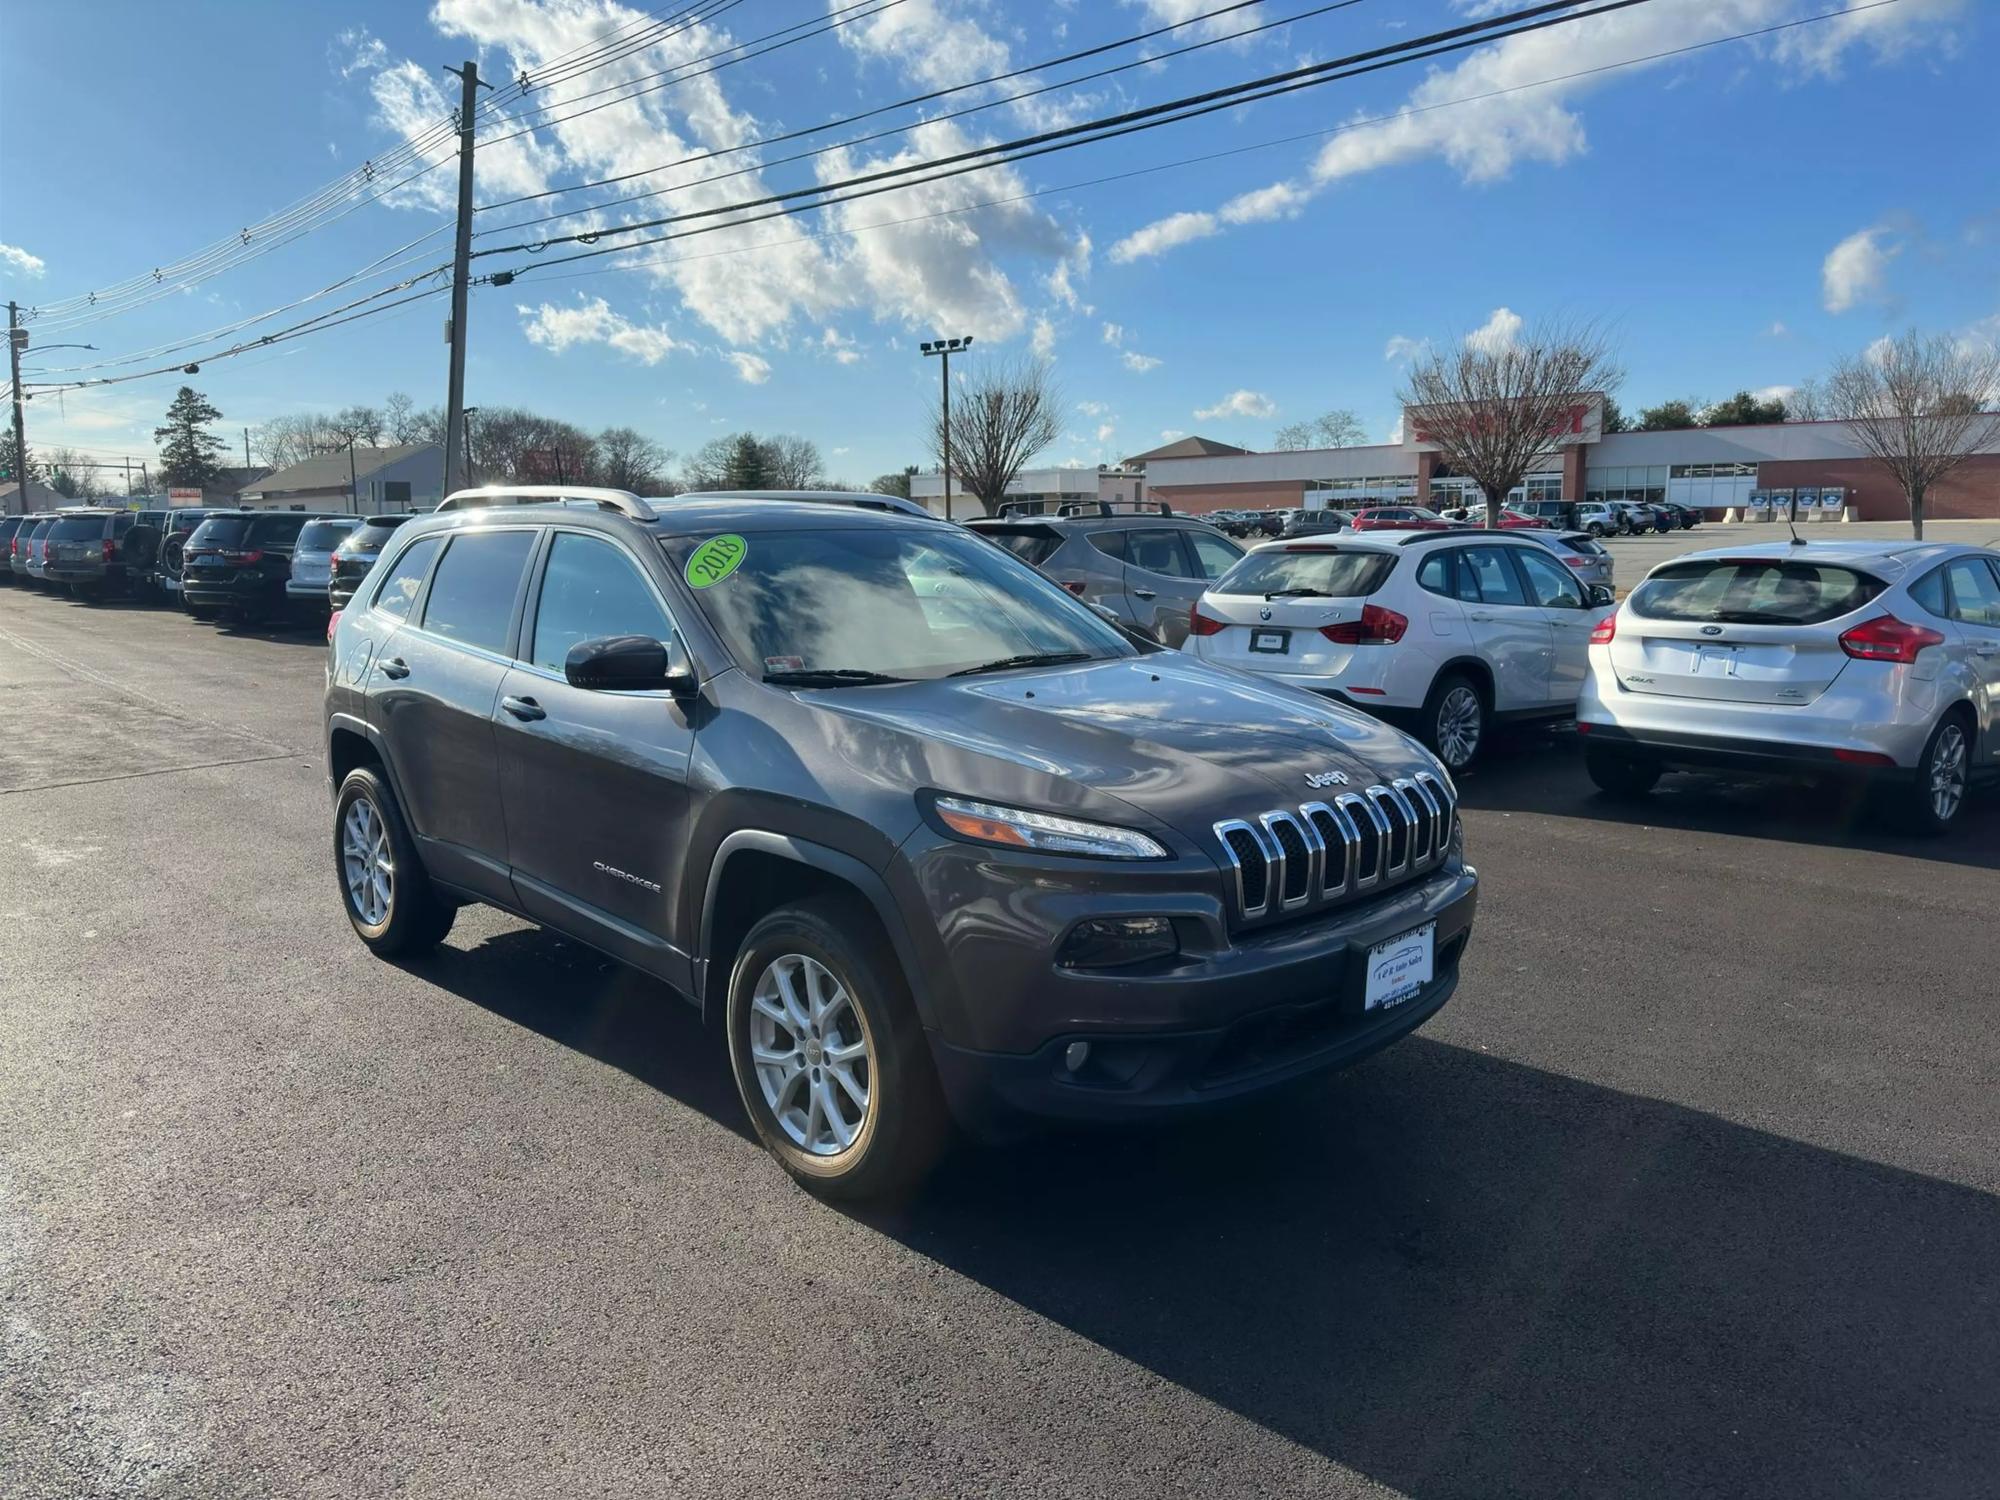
(591, 589)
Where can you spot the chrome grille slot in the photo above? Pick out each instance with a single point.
(1287, 859)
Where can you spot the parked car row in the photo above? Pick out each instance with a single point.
(240, 565)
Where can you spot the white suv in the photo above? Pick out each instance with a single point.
(1447, 630)
(1874, 660)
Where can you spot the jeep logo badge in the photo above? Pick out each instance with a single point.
(1317, 779)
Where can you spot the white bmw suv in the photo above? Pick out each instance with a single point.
(1870, 660)
(1444, 630)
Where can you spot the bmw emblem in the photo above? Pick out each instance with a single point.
(1264, 613)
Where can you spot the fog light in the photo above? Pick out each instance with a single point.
(1111, 942)
(1075, 1055)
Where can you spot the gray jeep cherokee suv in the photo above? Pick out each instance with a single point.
(932, 839)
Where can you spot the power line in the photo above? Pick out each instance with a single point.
(918, 99)
(1193, 106)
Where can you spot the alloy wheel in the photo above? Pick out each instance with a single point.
(1458, 726)
(367, 865)
(814, 1058)
(1948, 772)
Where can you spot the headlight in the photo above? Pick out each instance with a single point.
(1017, 828)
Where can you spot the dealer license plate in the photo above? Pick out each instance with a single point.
(1275, 642)
(1400, 967)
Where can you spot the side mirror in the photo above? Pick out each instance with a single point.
(1103, 612)
(1597, 595)
(627, 664)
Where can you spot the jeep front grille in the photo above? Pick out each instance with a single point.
(1287, 860)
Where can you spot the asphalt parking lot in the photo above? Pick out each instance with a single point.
(1690, 1190)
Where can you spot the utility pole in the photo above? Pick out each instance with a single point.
(944, 349)
(461, 263)
(353, 485)
(246, 449)
(16, 337)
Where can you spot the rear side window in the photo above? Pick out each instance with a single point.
(1157, 551)
(1434, 577)
(1031, 545)
(1338, 575)
(276, 531)
(324, 536)
(1110, 543)
(1975, 594)
(399, 588)
(1753, 592)
(472, 597)
(1929, 592)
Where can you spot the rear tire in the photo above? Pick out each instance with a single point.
(1935, 797)
(817, 1005)
(1455, 720)
(1621, 776)
(388, 898)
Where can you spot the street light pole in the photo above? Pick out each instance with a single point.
(17, 336)
(944, 349)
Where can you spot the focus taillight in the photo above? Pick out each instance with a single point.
(1575, 562)
(1887, 638)
(332, 624)
(1376, 627)
(1602, 633)
(1201, 624)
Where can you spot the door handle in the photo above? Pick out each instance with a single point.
(1987, 648)
(1482, 618)
(1144, 594)
(525, 709)
(394, 667)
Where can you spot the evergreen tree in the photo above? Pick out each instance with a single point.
(747, 468)
(189, 453)
(10, 461)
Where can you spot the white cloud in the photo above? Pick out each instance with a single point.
(20, 262)
(840, 346)
(1400, 348)
(1163, 235)
(1497, 334)
(1855, 269)
(592, 321)
(1062, 280)
(1774, 392)
(749, 368)
(1777, 330)
(1105, 430)
(1043, 343)
(1138, 363)
(1878, 351)
(1482, 118)
(1092, 408)
(1168, 434)
(1114, 334)
(355, 51)
(1239, 404)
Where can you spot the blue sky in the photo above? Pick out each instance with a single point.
(1736, 216)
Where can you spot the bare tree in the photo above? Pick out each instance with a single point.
(1338, 428)
(1919, 406)
(1004, 413)
(1807, 402)
(399, 415)
(363, 424)
(72, 475)
(792, 463)
(1496, 410)
(284, 441)
(628, 460)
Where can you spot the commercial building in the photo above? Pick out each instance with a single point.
(1711, 468)
(367, 480)
(1050, 488)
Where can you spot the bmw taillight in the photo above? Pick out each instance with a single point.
(1605, 629)
(1376, 627)
(1201, 624)
(1886, 638)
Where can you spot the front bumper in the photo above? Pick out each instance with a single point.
(1272, 1006)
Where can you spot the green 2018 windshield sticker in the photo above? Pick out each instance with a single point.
(714, 560)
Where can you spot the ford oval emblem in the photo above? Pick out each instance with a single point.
(1711, 630)
(1264, 613)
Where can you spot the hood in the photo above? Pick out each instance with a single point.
(1176, 739)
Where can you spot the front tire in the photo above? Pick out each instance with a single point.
(1935, 797)
(1455, 718)
(387, 896)
(1620, 776)
(829, 1057)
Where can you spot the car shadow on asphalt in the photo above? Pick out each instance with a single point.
(1461, 1276)
(1456, 1274)
(1542, 773)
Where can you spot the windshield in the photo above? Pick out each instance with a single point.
(1753, 592)
(1308, 570)
(324, 536)
(899, 602)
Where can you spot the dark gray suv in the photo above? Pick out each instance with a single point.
(931, 839)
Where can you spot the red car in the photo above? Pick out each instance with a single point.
(1401, 518)
(1510, 520)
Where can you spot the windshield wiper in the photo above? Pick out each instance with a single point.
(1298, 594)
(829, 677)
(1026, 659)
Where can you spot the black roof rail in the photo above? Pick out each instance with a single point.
(859, 499)
(1111, 508)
